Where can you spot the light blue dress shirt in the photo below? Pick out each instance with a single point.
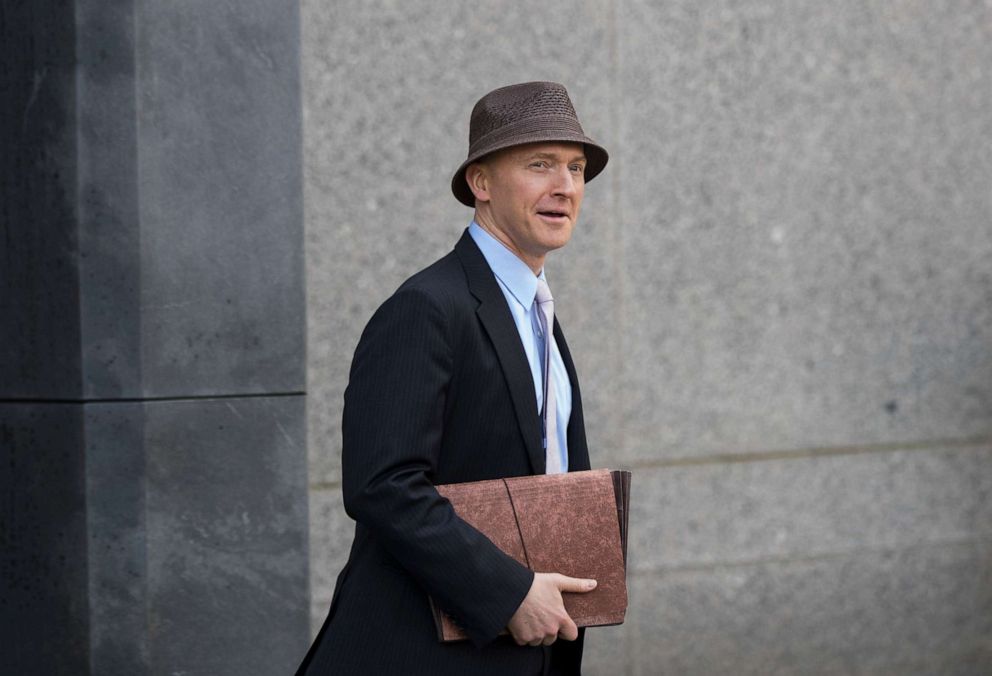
(519, 285)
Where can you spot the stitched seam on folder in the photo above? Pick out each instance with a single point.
(517, 521)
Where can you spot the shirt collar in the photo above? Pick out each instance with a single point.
(513, 272)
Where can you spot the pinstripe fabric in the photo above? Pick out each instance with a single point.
(439, 392)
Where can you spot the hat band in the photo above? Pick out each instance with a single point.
(568, 127)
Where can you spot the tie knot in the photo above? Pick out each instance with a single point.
(543, 291)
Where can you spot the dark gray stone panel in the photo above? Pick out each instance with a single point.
(150, 245)
(43, 571)
(923, 610)
(39, 316)
(226, 520)
(109, 230)
(118, 580)
(170, 263)
(219, 179)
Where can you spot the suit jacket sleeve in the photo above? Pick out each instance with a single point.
(392, 431)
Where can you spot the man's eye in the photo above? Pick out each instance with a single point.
(577, 168)
(540, 164)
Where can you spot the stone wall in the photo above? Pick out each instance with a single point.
(779, 299)
(152, 328)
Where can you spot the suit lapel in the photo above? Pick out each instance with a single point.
(495, 317)
(578, 450)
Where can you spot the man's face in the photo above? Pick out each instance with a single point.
(529, 196)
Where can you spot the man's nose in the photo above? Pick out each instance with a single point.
(565, 182)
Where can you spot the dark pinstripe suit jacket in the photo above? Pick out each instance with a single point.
(440, 392)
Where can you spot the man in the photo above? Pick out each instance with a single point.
(454, 381)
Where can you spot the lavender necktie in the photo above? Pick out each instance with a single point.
(549, 414)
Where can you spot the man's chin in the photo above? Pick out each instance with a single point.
(554, 244)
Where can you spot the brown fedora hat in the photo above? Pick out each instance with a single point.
(531, 112)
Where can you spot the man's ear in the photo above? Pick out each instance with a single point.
(477, 177)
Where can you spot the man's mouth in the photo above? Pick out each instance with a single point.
(552, 213)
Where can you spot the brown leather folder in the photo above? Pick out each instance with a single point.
(573, 523)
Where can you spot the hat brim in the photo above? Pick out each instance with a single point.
(596, 158)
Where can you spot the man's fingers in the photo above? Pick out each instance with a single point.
(574, 584)
(541, 617)
(568, 631)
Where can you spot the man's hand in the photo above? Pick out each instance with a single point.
(541, 617)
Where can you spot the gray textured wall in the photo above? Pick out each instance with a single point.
(152, 362)
(779, 298)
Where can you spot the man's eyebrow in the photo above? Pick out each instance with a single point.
(554, 156)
